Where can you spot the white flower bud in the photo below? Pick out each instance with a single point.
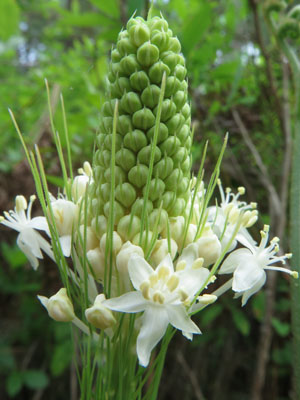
(87, 233)
(96, 258)
(116, 243)
(65, 213)
(209, 248)
(59, 306)
(206, 299)
(161, 249)
(124, 254)
(79, 186)
(100, 316)
(99, 225)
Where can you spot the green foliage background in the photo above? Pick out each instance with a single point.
(68, 42)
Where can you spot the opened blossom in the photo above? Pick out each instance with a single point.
(163, 295)
(30, 242)
(249, 264)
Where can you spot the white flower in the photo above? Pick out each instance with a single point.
(231, 211)
(29, 240)
(81, 181)
(248, 265)
(163, 295)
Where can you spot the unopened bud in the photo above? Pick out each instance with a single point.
(209, 248)
(59, 306)
(100, 316)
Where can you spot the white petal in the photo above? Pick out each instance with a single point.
(39, 223)
(65, 242)
(29, 238)
(167, 261)
(131, 302)
(154, 325)
(233, 261)
(189, 254)
(28, 253)
(139, 270)
(192, 280)
(179, 318)
(247, 275)
(246, 239)
(248, 293)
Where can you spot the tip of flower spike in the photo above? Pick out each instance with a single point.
(295, 274)
(241, 190)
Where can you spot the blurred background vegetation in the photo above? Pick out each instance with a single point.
(239, 83)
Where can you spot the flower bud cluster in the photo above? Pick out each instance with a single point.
(145, 51)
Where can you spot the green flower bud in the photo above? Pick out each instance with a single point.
(168, 200)
(145, 154)
(135, 140)
(179, 99)
(125, 193)
(99, 225)
(125, 159)
(178, 207)
(174, 45)
(172, 86)
(175, 123)
(157, 71)
(115, 56)
(138, 175)
(129, 226)
(150, 96)
(139, 80)
(105, 191)
(163, 133)
(158, 220)
(160, 24)
(156, 190)
(160, 39)
(138, 205)
(180, 72)
(139, 34)
(147, 54)
(168, 110)
(131, 102)
(184, 185)
(125, 46)
(108, 140)
(184, 133)
(124, 124)
(119, 211)
(120, 86)
(174, 179)
(119, 175)
(164, 167)
(170, 145)
(129, 64)
(143, 119)
(179, 156)
(170, 59)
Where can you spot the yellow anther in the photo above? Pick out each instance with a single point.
(183, 295)
(263, 234)
(206, 299)
(219, 181)
(1, 218)
(32, 197)
(180, 265)
(158, 297)
(212, 279)
(295, 274)
(276, 248)
(241, 190)
(234, 215)
(266, 228)
(253, 204)
(145, 288)
(153, 279)
(21, 203)
(288, 255)
(228, 190)
(163, 272)
(252, 221)
(198, 263)
(275, 240)
(173, 282)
